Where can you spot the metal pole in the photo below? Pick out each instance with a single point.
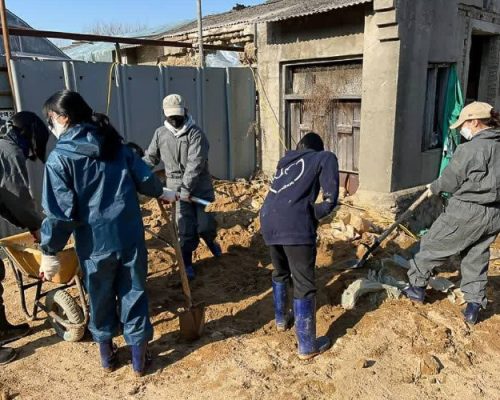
(6, 45)
(200, 36)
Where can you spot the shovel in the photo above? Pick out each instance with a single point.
(192, 320)
(355, 264)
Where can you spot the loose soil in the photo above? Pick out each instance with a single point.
(383, 349)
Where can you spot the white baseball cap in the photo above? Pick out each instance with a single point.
(173, 105)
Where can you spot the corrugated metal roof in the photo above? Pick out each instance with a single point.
(274, 10)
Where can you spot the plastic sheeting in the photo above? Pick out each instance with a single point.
(30, 46)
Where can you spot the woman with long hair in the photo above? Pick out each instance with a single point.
(90, 191)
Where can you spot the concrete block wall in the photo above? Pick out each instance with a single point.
(274, 51)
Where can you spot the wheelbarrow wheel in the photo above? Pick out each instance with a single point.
(68, 309)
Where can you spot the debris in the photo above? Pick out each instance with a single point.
(363, 363)
(360, 224)
(456, 297)
(401, 261)
(430, 365)
(441, 284)
(361, 287)
(344, 232)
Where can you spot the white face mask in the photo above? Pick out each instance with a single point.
(57, 129)
(466, 133)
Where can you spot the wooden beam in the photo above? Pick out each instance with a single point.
(15, 31)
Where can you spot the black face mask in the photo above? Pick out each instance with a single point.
(177, 121)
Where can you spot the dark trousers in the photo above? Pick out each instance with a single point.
(2, 277)
(295, 263)
(194, 222)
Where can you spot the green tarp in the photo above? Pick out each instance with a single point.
(453, 105)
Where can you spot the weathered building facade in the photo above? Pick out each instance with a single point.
(368, 75)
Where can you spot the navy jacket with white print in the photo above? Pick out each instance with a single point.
(290, 214)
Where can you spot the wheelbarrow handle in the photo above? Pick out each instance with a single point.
(178, 253)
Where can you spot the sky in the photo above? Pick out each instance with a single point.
(76, 15)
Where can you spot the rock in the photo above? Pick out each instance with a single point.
(360, 224)
(363, 363)
(361, 287)
(430, 365)
(361, 251)
(4, 395)
(256, 204)
(345, 219)
(338, 226)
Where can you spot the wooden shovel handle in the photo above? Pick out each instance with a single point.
(178, 252)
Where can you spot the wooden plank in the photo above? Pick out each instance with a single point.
(356, 135)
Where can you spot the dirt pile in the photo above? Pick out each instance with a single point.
(383, 349)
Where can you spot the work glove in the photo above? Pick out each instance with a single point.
(169, 196)
(429, 191)
(49, 267)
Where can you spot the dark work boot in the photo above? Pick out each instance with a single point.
(214, 249)
(140, 358)
(305, 328)
(414, 293)
(107, 351)
(187, 256)
(7, 355)
(9, 332)
(471, 313)
(282, 313)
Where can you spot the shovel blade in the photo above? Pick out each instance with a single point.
(192, 322)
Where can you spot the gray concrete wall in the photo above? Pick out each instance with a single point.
(378, 109)
(294, 41)
(430, 32)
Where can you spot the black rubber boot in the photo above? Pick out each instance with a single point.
(7, 355)
(141, 358)
(471, 313)
(414, 293)
(9, 332)
(107, 351)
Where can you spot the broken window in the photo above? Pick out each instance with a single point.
(437, 85)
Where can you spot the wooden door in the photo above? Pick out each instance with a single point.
(340, 129)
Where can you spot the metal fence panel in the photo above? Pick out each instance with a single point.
(214, 111)
(143, 103)
(184, 81)
(92, 80)
(222, 101)
(241, 117)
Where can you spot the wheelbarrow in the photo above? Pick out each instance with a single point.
(67, 317)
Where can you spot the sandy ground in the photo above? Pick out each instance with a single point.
(383, 349)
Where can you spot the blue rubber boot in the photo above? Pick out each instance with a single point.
(414, 293)
(471, 313)
(282, 314)
(305, 328)
(140, 358)
(187, 256)
(107, 350)
(214, 249)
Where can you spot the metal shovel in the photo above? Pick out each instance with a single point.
(192, 319)
(356, 264)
